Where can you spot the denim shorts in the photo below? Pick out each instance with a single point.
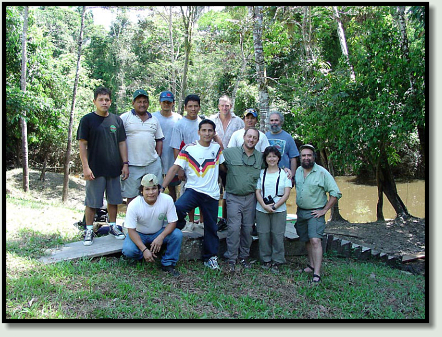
(307, 226)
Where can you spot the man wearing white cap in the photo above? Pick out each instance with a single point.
(144, 222)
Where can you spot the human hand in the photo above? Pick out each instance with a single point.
(317, 213)
(149, 256)
(125, 172)
(156, 244)
(88, 174)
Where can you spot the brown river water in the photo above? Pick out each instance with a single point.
(358, 202)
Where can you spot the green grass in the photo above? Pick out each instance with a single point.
(110, 287)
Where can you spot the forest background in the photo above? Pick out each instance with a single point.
(349, 79)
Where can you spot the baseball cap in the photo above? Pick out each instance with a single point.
(251, 111)
(166, 96)
(149, 180)
(307, 146)
(140, 92)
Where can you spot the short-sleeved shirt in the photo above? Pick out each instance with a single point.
(286, 146)
(148, 219)
(237, 139)
(242, 170)
(103, 135)
(311, 191)
(201, 165)
(269, 188)
(141, 138)
(167, 124)
(185, 131)
(235, 124)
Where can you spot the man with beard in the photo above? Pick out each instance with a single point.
(313, 182)
(282, 141)
(243, 166)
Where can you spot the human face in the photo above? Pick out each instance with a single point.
(251, 139)
(250, 121)
(140, 104)
(307, 158)
(206, 133)
(275, 123)
(192, 108)
(166, 107)
(102, 104)
(150, 194)
(224, 107)
(272, 160)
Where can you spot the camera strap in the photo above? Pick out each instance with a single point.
(277, 183)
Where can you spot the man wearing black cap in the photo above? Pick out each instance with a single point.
(313, 182)
(168, 119)
(144, 144)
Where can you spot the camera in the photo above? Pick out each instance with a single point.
(269, 200)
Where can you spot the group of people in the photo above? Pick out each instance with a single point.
(138, 155)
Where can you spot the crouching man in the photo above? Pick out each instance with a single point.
(144, 222)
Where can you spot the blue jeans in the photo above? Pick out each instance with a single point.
(209, 209)
(172, 242)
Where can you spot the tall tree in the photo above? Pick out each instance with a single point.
(71, 115)
(343, 42)
(24, 127)
(257, 15)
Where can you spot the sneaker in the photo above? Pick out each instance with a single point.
(222, 225)
(199, 225)
(189, 227)
(245, 263)
(119, 235)
(212, 263)
(231, 265)
(171, 270)
(266, 265)
(88, 237)
(275, 268)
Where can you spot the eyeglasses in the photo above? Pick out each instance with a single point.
(247, 160)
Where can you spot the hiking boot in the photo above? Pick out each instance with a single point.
(171, 270)
(119, 235)
(231, 266)
(88, 237)
(212, 263)
(245, 263)
(222, 225)
(266, 265)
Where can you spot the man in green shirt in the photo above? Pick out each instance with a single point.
(243, 165)
(313, 182)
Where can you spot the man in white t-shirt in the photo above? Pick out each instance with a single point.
(168, 120)
(200, 161)
(144, 222)
(250, 120)
(144, 144)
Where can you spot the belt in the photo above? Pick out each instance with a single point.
(309, 209)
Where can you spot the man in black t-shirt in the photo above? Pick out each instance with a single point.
(103, 154)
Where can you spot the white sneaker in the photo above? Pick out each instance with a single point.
(119, 235)
(88, 237)
(189, 227)
(212, 263)
(200, 225)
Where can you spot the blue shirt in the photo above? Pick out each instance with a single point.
(286, 146)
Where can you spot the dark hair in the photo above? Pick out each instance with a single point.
(245, 132)
(102, 91)
(195, 98)
(140, 189)
(206, 121)
(267, 151)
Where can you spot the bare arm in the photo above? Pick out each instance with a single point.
(148, 255)
(320, 212)
(123, 153)
(156, 244)
(159, 147)
(87, 172)
(293, 166)
(171, 174)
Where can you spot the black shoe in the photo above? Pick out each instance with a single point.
(231, 265)
(245, 263)
(222, 225)
(171, 270)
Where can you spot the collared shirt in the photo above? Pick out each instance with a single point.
(235, 123)
(242, 171)
(311, 191)
(237, 139)
(142, 138)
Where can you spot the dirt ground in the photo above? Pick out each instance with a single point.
(395, 237)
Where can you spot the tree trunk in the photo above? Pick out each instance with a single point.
(256, 12)
(386, 183)
(335, 215)
(343, 42)
(24, 127)
(172, 56)
(71, 117)
(242, 71)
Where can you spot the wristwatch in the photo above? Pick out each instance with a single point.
(125, 162)
(273, 207)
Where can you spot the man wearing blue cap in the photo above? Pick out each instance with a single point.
(144, 144)
(168, 119)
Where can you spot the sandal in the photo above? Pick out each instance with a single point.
(305, 271)
(318, 278)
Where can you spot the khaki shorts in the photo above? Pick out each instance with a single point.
(130, 186)
(308, 227)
